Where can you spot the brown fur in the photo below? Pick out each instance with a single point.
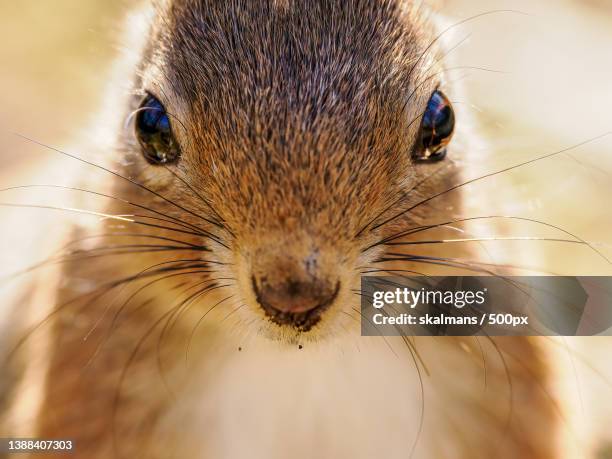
(297, 121)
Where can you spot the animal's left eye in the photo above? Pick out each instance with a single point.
(437, 128)
(154, 132)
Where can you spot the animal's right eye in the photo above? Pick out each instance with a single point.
(437, 127)
(154, 132)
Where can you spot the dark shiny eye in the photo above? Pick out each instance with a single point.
(436, 128)
(154, 132)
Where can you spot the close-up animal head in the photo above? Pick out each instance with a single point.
(225, 245)
(295, 131)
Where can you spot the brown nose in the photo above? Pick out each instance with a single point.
(294, 293)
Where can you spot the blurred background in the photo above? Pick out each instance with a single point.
(538, 80)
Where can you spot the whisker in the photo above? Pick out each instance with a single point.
(449, 262)
(445, 71)
(149, 284)
(115, 320)
(69, 209)
(172, 320)
(508, 376)
(199, 322)
(72, 259)
(391, 271)
(491, 174)
(123, 218)
(450, 50)
(113, 247)
(205, 201)
(374, 325)
(233, 311)
(127, 235)
(419, 229)
(97, 294)
(216, 279)
(139, 276)
(457, 24)
(115, 198)
(485, 239)
(132, 356)
(116, 174)
(443, 167)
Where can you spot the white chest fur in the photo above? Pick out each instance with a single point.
(348, 398)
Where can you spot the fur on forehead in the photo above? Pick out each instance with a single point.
(354, 59)
(309, 102)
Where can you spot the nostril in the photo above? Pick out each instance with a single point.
(293, 288)
(294, 301)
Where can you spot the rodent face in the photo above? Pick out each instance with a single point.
(298, 123)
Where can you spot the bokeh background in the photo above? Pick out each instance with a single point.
(538, 79)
